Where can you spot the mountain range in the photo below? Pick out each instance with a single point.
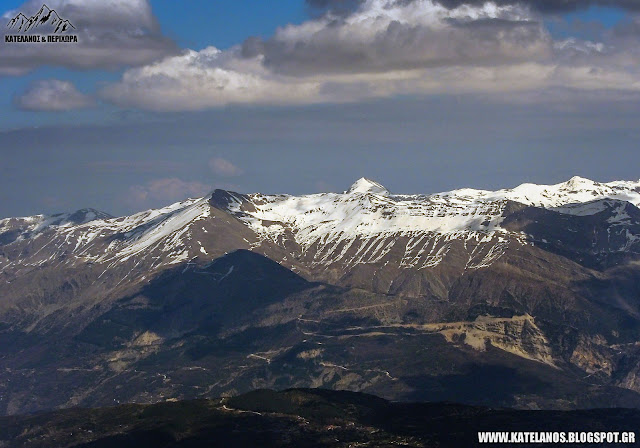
(526, 297)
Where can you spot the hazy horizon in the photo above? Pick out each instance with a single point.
(303, 97)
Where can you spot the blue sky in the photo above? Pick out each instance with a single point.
(302, 99)
(224, 23)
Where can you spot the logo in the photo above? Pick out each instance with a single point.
(46, 18)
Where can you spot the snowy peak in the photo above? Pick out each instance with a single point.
(39, 223)
(580, 182)
(17, 229)
(86, 215)
(364, 185)
(576, 190)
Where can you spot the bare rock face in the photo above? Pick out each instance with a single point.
(518, 335)
(593, 355)
(532, 293)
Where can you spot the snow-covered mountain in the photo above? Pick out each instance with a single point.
(369, 208)
(364, 225)
(403, 295)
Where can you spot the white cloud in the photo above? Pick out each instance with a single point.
(384, 48)
(53, 95)
(111, 34)
(387, 35)
(162, 191)
(208, 78)
(223, 167)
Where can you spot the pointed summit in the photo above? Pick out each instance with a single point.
(577, 182)
(364, 185)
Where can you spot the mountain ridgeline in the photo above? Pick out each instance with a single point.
(526, 297)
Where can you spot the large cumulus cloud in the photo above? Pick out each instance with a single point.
(391, 35)
(385, 48)
(198, 80)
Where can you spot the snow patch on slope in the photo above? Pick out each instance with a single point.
(168, 228)
(29, 226)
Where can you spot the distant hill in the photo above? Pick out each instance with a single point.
(300, 418)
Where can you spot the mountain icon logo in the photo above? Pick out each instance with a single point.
(46, 16)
